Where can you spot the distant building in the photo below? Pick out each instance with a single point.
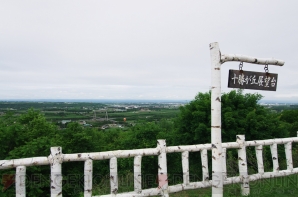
(65, 121)
(82, 122)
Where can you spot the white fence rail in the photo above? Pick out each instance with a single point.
(56, 159)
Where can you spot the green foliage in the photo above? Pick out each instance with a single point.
(31, 135)
(290, 117)
(194, 121)
(241, 114)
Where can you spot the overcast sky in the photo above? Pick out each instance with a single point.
(140, 49)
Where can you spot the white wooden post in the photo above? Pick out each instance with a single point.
(217, 181)
(259, 155)
(242, 163)
(288, 150)
(162, 168)
(138, 174)
(185, 167)
(205, 170)
(56, 159)
(216, 60)
(20, 181)
(88, 169)
(224, 163)
(113, 176)
(274, 154)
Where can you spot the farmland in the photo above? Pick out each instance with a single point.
(98, 115)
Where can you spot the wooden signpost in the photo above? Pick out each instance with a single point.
(252, 80)
(237, 79)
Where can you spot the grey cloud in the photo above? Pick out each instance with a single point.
(139, 49)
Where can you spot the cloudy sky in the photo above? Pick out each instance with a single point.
(108, 49)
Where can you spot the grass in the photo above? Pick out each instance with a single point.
(275, 187)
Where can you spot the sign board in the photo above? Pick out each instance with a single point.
(252, 80)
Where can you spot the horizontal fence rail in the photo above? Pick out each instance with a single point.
(57, 158)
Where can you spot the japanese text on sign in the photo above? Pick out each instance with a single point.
(252, 80)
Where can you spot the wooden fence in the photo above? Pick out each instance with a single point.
(56, 158)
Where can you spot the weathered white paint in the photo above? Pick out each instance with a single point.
(216, 60)
(20, 181)
(217, 183)
(88, 173)
(35, 161)
(242, 163)
(259, 156)
(252, 60)
(145, 192)
(162, 168)
(288, 151)
(189, 148)
(271, 141)
(224, 164)
(113, 176)
(190, 186)
(185, 167)
(273, 148)
(55, 160)
(110, 154)
(204, 160)
(137, 174)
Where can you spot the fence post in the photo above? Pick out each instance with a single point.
(20, 181)
(288, 150)
(273, 148)
(205, 170)
(185, 167)
(137, 174)
(162, 168)
(259, 155)
(217, 181)
(88, 173)
(224, 164)
(114, 176)
(56, 159)
(242, 163)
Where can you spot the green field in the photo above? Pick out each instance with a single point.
(93, 113)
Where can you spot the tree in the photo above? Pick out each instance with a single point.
(241, 114)
(290, 117)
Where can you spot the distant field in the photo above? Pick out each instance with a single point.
(95, 113)
(144, 115)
